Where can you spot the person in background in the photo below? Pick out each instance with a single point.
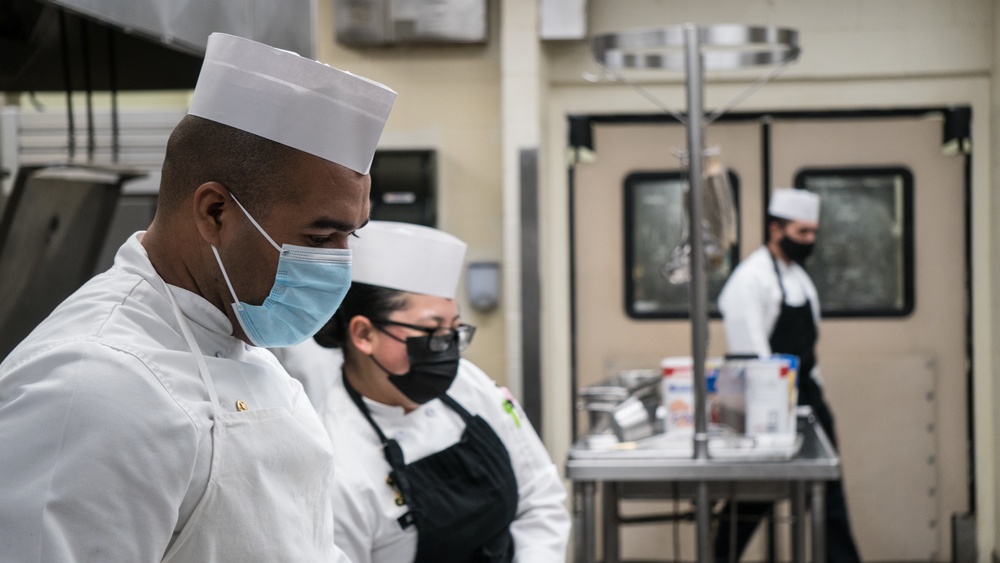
(770, 306)
(436, 463)
(144, 420)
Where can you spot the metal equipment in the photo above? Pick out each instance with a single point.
(623, 406)
(53, 229)
(693, 49)
(657, 473)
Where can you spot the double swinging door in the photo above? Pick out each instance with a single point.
(890, 266)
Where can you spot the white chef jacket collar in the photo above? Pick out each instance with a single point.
(785, 265)
(386, 412)
(198, 310)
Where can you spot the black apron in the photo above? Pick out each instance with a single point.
(461, 499)
(795, 333)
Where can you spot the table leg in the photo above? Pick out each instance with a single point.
(799, 521)
(609, 520)
(772, 535)
(819, 521)
(703, 522)
(584, 514)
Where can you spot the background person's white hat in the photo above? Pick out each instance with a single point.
(794, 205)
(407, 257)
(295, 101)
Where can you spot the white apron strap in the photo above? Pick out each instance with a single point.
(195, 349)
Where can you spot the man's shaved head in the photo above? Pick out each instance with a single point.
(251, 167)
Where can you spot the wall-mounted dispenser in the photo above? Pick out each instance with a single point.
(482, 285)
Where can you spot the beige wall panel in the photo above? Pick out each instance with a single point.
(987, 344)
(887, 420)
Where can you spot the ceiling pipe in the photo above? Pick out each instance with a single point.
(68, 85)
(88, 89)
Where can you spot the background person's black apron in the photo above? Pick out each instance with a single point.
(795, 333)
(461, 499)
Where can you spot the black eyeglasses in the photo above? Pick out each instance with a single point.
(438, 339)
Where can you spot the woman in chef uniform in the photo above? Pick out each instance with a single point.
(435, 462)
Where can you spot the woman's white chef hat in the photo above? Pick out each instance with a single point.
(293, 100)
(407, 257)
(794, 205)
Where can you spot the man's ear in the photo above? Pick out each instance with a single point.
(773, 230)
(361, 333)
(211, 203)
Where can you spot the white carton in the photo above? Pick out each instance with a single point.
(767, 398)
(678, 393)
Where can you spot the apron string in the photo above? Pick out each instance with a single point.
(195, 349)
(781, 284)
(359, 401)
(455, 406)
(356, 397)
(391, 449)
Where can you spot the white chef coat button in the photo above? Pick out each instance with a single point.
(218, 354)
(430, 412)
(247, 346)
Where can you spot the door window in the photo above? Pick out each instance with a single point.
(863, 261)
(656, 227)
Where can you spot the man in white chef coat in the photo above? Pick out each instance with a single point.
(144, 420)
(770, 306)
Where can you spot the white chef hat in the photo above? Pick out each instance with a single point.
(407, 257)
(295, 101)
(794, 205)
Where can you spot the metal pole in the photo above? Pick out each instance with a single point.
(698, 290)
(819, 521)
(584, 512)
(609, 519)
(799, 522)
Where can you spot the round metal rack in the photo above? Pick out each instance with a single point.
(724, 47)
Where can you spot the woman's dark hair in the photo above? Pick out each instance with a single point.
(372, 301)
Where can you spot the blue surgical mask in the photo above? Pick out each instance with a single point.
(308, 288)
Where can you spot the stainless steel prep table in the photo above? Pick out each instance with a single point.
(815, 463)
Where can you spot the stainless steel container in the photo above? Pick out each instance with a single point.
(623, 405)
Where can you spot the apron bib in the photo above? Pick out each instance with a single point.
(268, 494)
(461, 499)
(795, 333)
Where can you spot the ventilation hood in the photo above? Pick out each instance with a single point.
(48, 45)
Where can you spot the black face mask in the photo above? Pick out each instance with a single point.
(431, 373)
(795, 251)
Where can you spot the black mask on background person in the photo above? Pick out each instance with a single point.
(795, 251)
(431, 373)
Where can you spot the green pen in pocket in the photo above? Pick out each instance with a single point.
(509, 407)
